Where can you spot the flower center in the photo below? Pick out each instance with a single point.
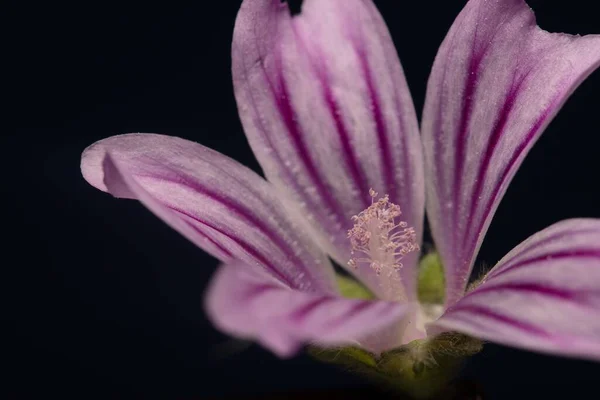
(379, 242)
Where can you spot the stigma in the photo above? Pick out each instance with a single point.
(379, 242)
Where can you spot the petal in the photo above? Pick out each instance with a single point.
(496, 83)
(544, 295)
(252, 305)
(326, 109)
(215, 202)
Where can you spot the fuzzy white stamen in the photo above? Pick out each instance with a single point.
(381, 243)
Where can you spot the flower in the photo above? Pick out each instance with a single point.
(326, 109)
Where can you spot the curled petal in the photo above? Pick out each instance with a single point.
(218, 204)
(326, 109)
(544, 295)
(497, 81)
(252, 305)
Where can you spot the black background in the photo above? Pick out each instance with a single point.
(104, 300)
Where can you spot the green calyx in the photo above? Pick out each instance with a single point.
(431, 283)
(351, 289)
(421, 369)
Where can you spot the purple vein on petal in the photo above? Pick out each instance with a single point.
(206, 236)
(438, 161)
(473, 74)
(319, 67)
(465, 118)
(285, 108)
(515, 323)
(251, 250)
(289, 180)
(530, 287)
(387, 165)
(304, 310)
(497, 132)
(566, 254)
(258, 290)
(498, 185)
(356, 171)
(557, 236)
(388, 162)
(243, 212)
(281, 98)
(355, 309)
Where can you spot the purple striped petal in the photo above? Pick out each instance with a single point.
(215, 202)
(544, 295)
(252, 305)
(497, 81)
(326, 109)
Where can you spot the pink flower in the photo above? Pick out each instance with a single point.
(326, 109)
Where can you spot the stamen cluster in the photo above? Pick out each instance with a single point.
(378, 240)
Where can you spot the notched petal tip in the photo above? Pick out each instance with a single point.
(327, 111)
(497, 82)
(295, 6)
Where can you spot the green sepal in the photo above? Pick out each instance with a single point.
(420, 369)
(351, 289)
(431, 284)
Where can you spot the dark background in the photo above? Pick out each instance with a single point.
(104, 300)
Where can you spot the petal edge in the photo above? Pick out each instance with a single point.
(544, 295)
(326, 109)
(497, 82)
(213, 201)
(251, 305)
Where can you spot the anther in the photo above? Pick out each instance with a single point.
(379, 242)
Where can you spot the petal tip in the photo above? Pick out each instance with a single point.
(91, 165)
(93, 157)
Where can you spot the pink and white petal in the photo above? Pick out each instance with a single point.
(218, 204)
(327, 111)
(497, 82)
(252, 305)
(544, 295)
